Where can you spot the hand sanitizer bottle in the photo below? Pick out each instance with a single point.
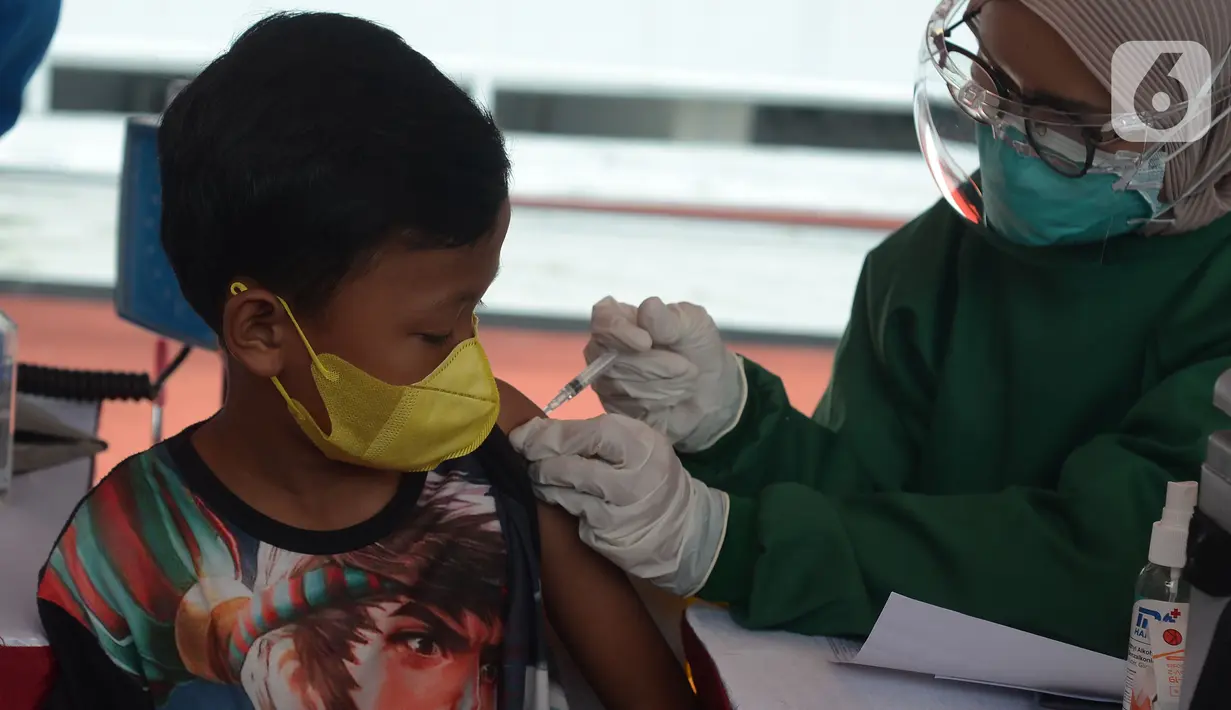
(1160, 616)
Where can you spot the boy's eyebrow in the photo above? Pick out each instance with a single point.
(461, 299)
(477, 296)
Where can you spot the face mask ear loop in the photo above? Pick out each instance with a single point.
(1208, 88)
(1214, 122)
(237, 288)
(1213, 169)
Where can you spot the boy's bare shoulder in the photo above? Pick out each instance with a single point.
(515, 408)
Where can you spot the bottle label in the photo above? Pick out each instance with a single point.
(1156, 655)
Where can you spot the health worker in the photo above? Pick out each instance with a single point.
(1026, 365)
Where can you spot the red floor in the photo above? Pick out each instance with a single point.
(87, 334)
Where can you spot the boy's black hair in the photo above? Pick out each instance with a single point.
(312, 142)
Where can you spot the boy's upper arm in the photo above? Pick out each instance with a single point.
(89, 638)
(595, 610)
(601, 619)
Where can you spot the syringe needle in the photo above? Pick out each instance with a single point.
(583, 380)
(556, 401)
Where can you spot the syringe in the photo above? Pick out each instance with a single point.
(578, 384)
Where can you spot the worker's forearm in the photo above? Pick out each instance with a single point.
(786, 563)
(1060, 565)
(772, 443)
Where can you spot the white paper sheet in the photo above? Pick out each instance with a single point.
(922, 638)
(781, 671)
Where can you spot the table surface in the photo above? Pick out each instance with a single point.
(783, 671)
(31, 518)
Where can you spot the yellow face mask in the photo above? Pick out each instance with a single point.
(408, 428)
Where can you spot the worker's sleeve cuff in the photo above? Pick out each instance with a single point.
(705, 437)
(736, 434)
(731, 578)
(738, 414)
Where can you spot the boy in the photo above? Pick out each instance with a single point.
(351, 529)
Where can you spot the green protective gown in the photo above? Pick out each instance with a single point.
(996, 438)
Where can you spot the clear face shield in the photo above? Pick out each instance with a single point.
(1034, 170)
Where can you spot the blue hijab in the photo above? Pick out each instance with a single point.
(26, 27)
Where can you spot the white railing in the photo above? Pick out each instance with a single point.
(485, 78)
(797, 52)
(834, 185)
(758, 46)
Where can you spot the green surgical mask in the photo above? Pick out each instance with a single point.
(1027, 202)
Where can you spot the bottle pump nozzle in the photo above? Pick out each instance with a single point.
(1169, 539)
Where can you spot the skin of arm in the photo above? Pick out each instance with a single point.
(596, 611)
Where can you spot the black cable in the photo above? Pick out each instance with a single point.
(94, 385)
(171, 367)
(86, 385)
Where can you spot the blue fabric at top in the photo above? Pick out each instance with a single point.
(26, 27)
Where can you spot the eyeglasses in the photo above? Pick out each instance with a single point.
(1041, 124)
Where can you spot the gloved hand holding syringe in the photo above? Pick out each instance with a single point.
(578, 384)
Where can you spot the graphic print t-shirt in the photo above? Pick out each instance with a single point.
(201, 602)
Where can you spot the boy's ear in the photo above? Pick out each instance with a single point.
(254, 329)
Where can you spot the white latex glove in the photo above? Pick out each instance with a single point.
(673, 371)
(636, 504)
